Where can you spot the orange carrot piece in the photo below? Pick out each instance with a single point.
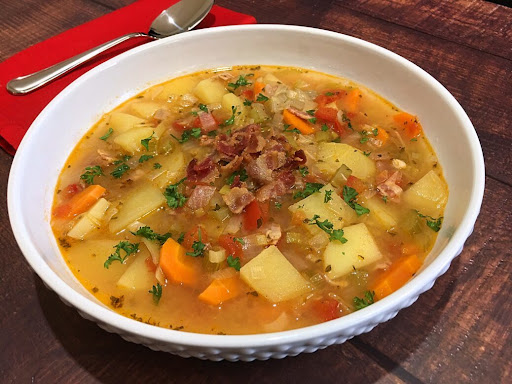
(177, 266)
(410, 249)
(398, 274)
(351, 102)
(409, 124)
(221, 290)
(80, 202)
(296, 122)
(258, 88)
(356, 183)
(382, 135)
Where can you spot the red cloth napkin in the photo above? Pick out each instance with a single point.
(18, 112)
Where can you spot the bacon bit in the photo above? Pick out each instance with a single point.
(205, 171)
(299, 113)
(390, 187)
(280, 186)
(106, 156)
(237, 199)
(206, 140)
(224, 76)
(72, 189)
(207, 122)
(200, 197)
(233, 165)
(273, 234)
(162, 114)
(261, 169)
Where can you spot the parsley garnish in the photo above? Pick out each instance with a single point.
(125, 158)
(247, 103)
(203, 108)
(234, 262)
(324, 127)
(327, 227)
(120, 170)
(304, 171)
(231, 178)
(145, 142)
(349, 195)
(231, 120)
(127, 247)
(308, 190)
(242, 81)
(157, 166)
(157, 293)
(287, 129)
(262, 97)
(434, 224)
(367, 300)
(186, 135)
(149, 234)
(278, 205)
(329, 94)
(239, 240)
(144, 158)
(327, 197)
(311, 112)
(375, 132)
(367, 153)
(345, 119)
(90, 173)
(181, 238)
(174, 198)
(107, 135)
(312, 120)
(385, 199)
(198, 246)
(414, 139)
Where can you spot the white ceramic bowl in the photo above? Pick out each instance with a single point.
(65, 120)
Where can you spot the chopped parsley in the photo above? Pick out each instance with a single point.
(149, 234)
(262, 97)
(231, 178)
(90, 173)
(368, 299)
(304, 171)
(231, 120)
(107, 135)
(345, 119)
(181, 238)
(186, 135)
(157, 166)
(120, 170)
(385, 199)
(327, 197)
(234, 262)
(278, 205)
(327, 227)
(329, 94)
(433, 223)
(175, 199)
(311, 112)
(157, 293)
(375, 132)
(122, 160)
(308, 190)
(242, 81)
(203, 108)
(145, 142)
(414, 139)
(144, 158)
(367, 153)
(127, 247)
(198, 247)
(239, 240)
(287, 129)
(349, 195)
(324, 128)
(312, 120)
(247, 103)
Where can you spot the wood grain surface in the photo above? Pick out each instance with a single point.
(457, 332)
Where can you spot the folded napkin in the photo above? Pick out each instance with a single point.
(18, 112)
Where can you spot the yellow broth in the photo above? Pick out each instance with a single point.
(382, 188)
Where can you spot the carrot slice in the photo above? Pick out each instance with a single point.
(409, 124)
(398, 274)
(80, 202)
(177, 266)
(296, 122)
(351, 102)
(327, 114)
(221, 290)
(258, 88)
(382, 135)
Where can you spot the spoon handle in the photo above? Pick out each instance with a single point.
(25, 84)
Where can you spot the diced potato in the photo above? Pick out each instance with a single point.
(137, 276)
(270, 78)
(231, 100)
(140, 202)
(273, 276)
(144, 109)
(359, 250)
(177, 87)
(90, 220)
(210, 91)
(428, 195)
(130, 140)
(335, 210)
(122, 122)
(173, 169)
(383, 214)
(332, 155)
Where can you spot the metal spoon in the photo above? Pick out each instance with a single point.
(181, 17)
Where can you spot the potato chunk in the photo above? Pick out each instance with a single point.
(428, 195)
(130, 140)
(273, 276)
(145, 109)
(137, 276)
(90, 220)
(177, 87)
(210, 91)
(230, 101)
(121, 122)
(332, 155)
(335, 210)
(385, 215)
(359, 250)
(173, 169)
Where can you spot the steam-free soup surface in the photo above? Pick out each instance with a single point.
(249, 200)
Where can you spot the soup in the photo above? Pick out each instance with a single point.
(249, 200)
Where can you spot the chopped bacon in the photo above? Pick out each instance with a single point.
(233, 165)
(72, 189)
(299, 113)
(206, 140)
(207, 122)
(205, 171)
(162, 114)
(200, 197)
(299, 158)
(390, 187)
(237, 199)
(280, 186)
(261, 169)
(234, 145)
(273, 234)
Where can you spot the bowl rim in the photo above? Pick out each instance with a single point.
(370, 315)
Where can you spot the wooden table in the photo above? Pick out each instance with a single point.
(459, 331)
